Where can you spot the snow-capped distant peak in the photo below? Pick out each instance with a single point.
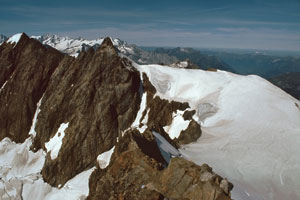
(73, 46)
(15, 38)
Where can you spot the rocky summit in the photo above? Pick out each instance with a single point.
(74, 114)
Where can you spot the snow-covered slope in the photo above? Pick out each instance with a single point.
(20, 176)
(251, 129)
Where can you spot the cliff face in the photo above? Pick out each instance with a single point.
(25, 70)
(97, 94)
(76, 109)
(137, 173)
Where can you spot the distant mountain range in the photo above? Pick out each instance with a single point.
(195, 56)
(73, 47)
(266, 66)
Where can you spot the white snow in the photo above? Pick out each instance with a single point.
(15, 38)
(55, 142)
(104, 158)
(178, 124)
(137, 122)
(3, 86)
(251, 128)
(17, 161)
(34, 120)
(139, 115)
(20, 176)
(67, 45)
(75, 189)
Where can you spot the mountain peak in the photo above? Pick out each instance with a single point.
(15, 39)
(108, 47)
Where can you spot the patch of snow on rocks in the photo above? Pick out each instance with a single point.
(54, 144)
(104, 158)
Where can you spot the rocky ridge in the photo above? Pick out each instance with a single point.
(26, 68)
(88, 105)
(133, 162)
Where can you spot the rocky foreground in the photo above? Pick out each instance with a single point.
(75, 109)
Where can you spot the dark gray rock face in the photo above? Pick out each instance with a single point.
(25, 69)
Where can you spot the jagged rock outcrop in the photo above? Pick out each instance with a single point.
(136, 172)
(25, 70)
(98, 94)
(160, 114)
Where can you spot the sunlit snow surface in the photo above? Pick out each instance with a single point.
(55, 142)
(178, 124)
(104, 158)
(14, 39)
(20, 176)
(137, 122)
(34, 121)
(251, 129)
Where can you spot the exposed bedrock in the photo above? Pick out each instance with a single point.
(25, 70)
(97, 94)
(161, 114)
(137, 173)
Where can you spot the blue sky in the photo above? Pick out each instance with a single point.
(251, 24)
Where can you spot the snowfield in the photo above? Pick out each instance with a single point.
(251, 129)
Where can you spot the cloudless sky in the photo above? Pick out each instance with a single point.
(257, 24)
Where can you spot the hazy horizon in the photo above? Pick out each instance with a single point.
(261, 25)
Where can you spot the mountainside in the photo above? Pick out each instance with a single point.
(289, 82)
(81, 122)
(100, 126)
(203, 61)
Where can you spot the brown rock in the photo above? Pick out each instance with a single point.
(135, 174)
(191, 134)
(97, 93)
(26, 67)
